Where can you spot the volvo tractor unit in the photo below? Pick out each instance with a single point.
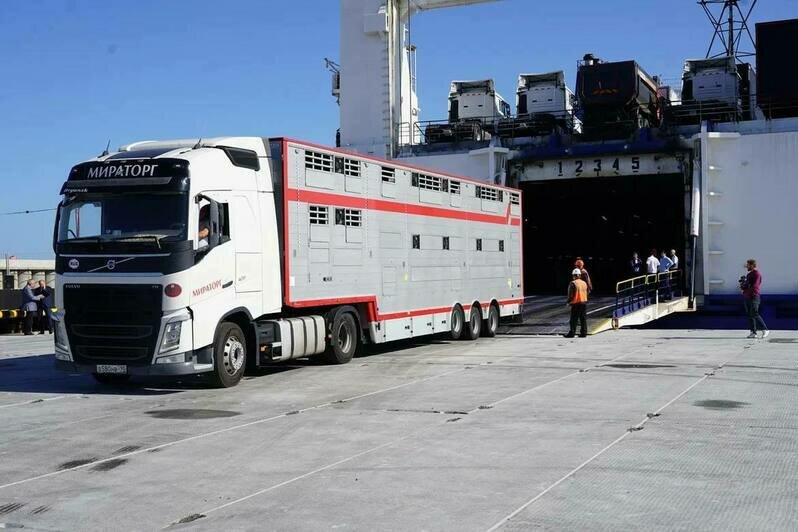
(185, 257)
(544, 106)
(474, 109)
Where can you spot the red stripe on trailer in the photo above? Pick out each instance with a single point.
(339, 200)
(371, 307)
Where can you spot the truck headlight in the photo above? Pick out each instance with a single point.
(171, 336)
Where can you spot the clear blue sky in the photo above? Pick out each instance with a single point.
(76, 73)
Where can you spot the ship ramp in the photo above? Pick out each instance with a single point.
(637, 301)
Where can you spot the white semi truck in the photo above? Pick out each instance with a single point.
(191, 257)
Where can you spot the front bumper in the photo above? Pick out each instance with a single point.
(200, 361)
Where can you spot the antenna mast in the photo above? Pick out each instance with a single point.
(730, 24)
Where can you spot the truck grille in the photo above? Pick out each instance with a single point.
(112, 323)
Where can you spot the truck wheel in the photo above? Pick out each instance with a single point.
(343, 339)
(457, 321)
(110, 380)
(229, 356)
(492, 322)
(474, 326)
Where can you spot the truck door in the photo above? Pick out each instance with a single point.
(211, 278)
(246, 234)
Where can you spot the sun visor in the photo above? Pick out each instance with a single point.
(101, 176)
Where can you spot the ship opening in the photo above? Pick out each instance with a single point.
(603, 220)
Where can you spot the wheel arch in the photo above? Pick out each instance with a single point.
(356, 311)
(241, 317)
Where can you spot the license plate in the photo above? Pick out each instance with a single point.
(108, 368)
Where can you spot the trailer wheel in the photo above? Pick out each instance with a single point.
(343, 339)
(229, 355)
(474, 326)
(492, 322)
(457, 321)
(110, 379)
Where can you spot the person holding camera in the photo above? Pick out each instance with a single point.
(750, 286)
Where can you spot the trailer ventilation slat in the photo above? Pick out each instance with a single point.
(454, 187)
(322, 162)
(388, 175)
(349, 217)
(318, 215)
(352, 167)
(489, 193)
(430, 182)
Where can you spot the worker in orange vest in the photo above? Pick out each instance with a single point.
(577, 299)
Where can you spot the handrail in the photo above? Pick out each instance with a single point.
(630, 280)
(644, 290)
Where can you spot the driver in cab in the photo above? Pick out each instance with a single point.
(204, 227)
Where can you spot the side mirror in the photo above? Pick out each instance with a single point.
(55, 228)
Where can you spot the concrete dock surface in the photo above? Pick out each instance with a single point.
(631, 429)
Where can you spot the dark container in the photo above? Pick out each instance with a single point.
(620, 84)
(777, 75)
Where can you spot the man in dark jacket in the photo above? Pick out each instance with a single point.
(45, 306)
(29, 306)
(751, 288)
(635, 265)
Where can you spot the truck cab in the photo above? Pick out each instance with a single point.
(156, 246)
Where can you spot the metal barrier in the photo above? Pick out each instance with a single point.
(639, 292)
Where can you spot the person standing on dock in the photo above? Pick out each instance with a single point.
(584, 275)
(45, 307)
(665, 265)
(674, 259)
(577, 299)
(635, 265)
(652, 263)
(29, 306)
(751, 287)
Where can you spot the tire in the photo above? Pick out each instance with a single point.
(229, 356)
(474, 325)
(491, 322)
(110, 379)
(457, 323)
(343, 339)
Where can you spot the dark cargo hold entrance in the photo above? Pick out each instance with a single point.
(603, 220)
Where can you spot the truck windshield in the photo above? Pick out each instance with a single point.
(105, 217)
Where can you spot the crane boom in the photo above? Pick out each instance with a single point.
(377, 94)
(423, 5)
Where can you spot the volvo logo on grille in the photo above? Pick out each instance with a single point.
(111, 264)
(74, 263)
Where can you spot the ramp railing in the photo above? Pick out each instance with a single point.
(639, 292)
